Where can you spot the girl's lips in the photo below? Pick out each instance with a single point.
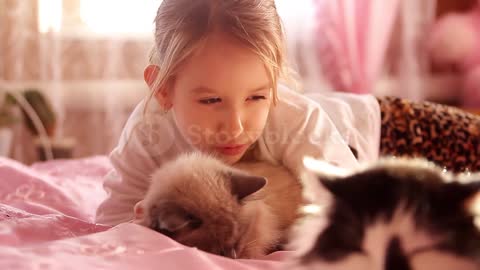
(231, 150)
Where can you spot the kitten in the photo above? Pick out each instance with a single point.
(395, 215)
(200, 202)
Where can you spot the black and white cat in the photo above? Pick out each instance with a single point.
(395, 215)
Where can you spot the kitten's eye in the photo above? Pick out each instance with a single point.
(166, 233)
(156, 227)
(208, 101)
(195, 223)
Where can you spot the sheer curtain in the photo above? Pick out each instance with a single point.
(88, 57)
(88, 64)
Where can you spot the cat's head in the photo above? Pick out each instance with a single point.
(395, 215)
(201, 202)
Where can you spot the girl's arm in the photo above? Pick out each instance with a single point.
(127, 183)
(146, 142)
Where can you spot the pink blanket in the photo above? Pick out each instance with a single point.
(46, 222)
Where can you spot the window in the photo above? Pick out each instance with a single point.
(97, 17)
(115, 17)
(49, 15)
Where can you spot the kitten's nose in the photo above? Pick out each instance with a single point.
(231, 253)
(396, 258)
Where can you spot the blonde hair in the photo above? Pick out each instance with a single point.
(182, 25)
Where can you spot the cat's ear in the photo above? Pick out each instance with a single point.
(139, 210)
(467, 194)
(461, 191)
(330, 184)
(321, 175)
(324, 169)
(244, 185)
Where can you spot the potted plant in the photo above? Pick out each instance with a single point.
(40, 105)
(61, 147)
(8, 117)
(44, 111)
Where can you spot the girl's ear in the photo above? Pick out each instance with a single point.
(161, 94)
(150, 74)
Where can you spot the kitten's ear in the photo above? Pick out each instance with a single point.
(324, 169)
(139, 210)
(329, 184)
(473, 189)
(244, 185)
(468, 194)
(327, 175)
(461, 191)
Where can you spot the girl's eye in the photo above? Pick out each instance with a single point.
(208, 101)
(257, 98)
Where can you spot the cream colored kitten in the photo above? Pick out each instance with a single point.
(199, 201)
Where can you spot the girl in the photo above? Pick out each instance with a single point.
(214, 80)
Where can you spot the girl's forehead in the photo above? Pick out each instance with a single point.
(222, 63)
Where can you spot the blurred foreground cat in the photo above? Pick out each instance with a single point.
(395, 215)
(201, 202)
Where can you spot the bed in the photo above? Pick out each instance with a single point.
(47, 209)
(46, 222)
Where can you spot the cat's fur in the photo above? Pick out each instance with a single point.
(395, 215)
(201, 202)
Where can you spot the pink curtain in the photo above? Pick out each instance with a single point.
(352, 38)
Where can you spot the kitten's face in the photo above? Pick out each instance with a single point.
(202, 203)
(400, 215)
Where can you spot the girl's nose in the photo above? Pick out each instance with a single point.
(232, 124)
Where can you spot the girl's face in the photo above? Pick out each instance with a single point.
(221, 98)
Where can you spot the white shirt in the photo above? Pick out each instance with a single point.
(320, 126)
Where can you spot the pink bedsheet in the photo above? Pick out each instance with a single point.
(46, 222)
